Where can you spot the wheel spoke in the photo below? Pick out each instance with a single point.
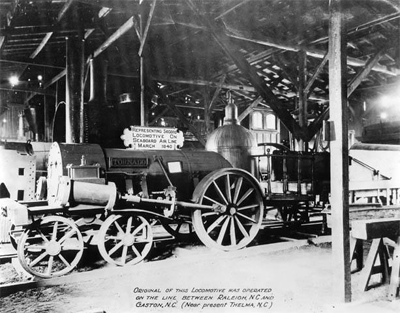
(213, 201)
(124, 253)
(216, 223)
(245, 196)
(119, 227)
(255, 205)
(66, 236)
(237, 189)
(210, 213)
(70, 247)
(221, 195)
(233, 231)
(138, 229)
(246, 217)
(241, 227)
(228, 188)
(54, 233)
(116, 247)
(109, 237)
(43, 236)
(50, 265)
(135, 250)
(223, 231)
(64, 260)
(35, 247)
(38, 259)
(128, 226)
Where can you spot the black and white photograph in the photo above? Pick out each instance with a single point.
(207, 156)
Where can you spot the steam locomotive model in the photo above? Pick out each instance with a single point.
(114, 191)
(110, 197)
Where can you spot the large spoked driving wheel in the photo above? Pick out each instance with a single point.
(50, 248)
(125, 239)
(238, 209)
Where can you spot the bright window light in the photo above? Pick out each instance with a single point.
(13, 80)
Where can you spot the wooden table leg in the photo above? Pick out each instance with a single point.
(394, 277)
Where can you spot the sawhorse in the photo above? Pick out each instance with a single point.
(379, 230)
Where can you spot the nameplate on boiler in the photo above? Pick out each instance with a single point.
(128, 162)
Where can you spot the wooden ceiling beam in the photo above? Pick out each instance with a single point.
(47, 84)
(216, 93)
(30, 63)
(231, 9)
(64, 10)
(394, 5)
(2, 41)
(233, 87)
(116, 35)
(315, 53)
(356, 81)
(48, 35)
(307, 89)
(288, 75)
(38, 91)
(144, 36)
(13, 12)
(250, 109)
(200, 82)
(224, 41)
(41, 45)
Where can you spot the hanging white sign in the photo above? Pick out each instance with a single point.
(152, 138)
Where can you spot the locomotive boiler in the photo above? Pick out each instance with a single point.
(116, 194)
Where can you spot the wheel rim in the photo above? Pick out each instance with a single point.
(51, 248)
(240, 203)
(125, 240)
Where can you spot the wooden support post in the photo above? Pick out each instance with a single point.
(143, 109)
(356, 252)
(394, 276)
(302, 96)
(46, 119)
(74, 89)
(143, 119)
(339, 154)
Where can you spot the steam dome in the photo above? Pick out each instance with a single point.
(234, 142)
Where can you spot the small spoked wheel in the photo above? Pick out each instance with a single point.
(50, 248)
(125, 239)
(238, 213)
